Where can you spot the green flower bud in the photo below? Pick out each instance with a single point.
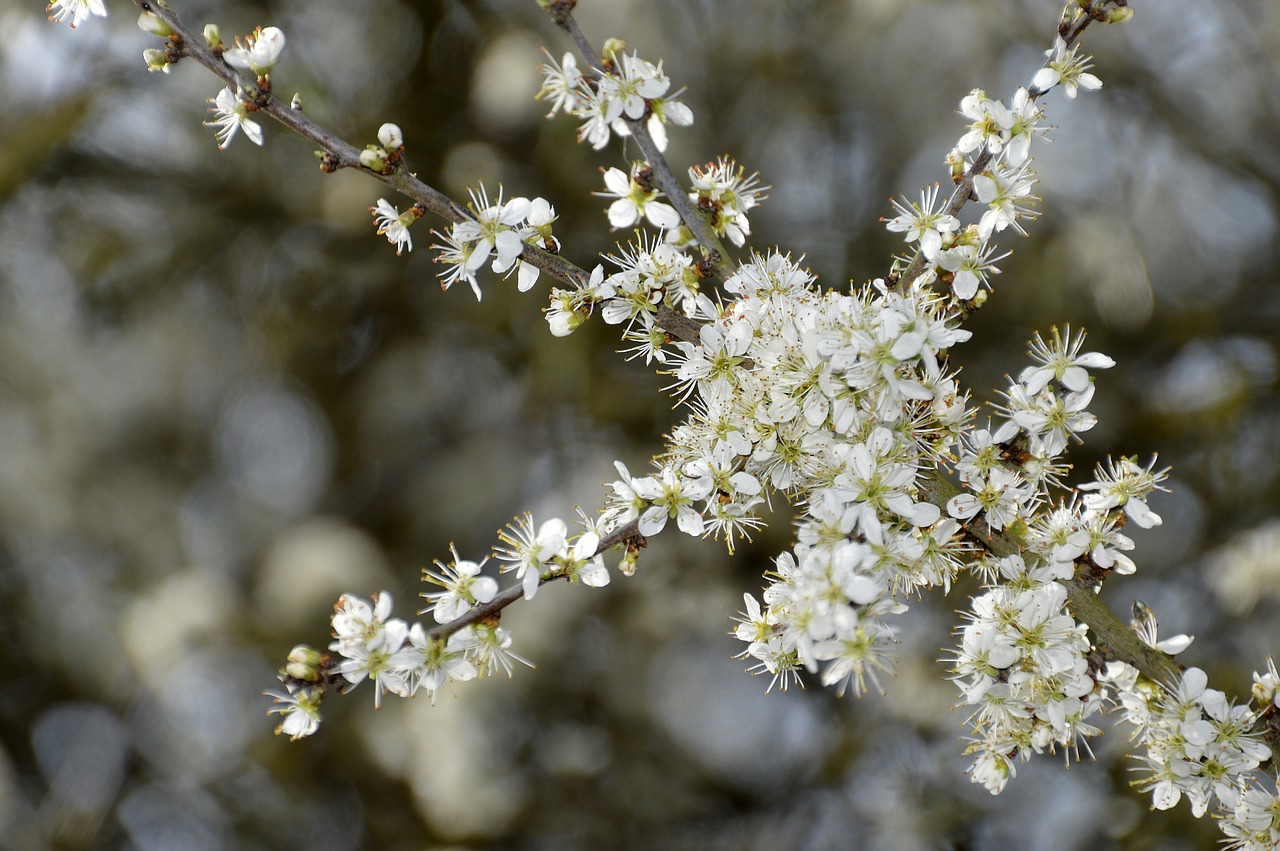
(157, 59)
(374, 158)
(304, 663)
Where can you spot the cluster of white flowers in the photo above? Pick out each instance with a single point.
(1197, 742)
(836, 400)
(996, 150)
(725, 192)
(402, 659)
(398, 658)
(500, 230)
(631, 89)
(840, 401)
(1022, 664)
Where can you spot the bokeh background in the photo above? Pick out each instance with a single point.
(224, 401)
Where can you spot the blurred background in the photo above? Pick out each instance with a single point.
(224, 401)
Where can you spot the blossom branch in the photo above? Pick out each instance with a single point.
(1114, 638)
(1070, 28)
(628, 534)
(694, 219)
(338, 152)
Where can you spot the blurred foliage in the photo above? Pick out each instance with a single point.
(224, 401)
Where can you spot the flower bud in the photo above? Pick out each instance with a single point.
(955, 160)
(304, 663)
(564, 322)
(390, 136)
(374, 158)
(627, 567)
(211, 36)
(613, 47)
(149, 23)
(1118, 15)
(156, 59)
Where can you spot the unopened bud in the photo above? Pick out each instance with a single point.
(613, 47)
(156, 59)
(628, 564)
(211, 36)
(564, 322)
(955, 160)
(1118, 15)
(304, 663)
(374, 158)
(390, 136)
(149, 23)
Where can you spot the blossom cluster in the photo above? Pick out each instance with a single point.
(1022, 664)
(402, 659)
(843, 403)
(498, 230)
(628, 88)
(836, 400)
(1199, 744)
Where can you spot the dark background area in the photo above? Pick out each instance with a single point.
(224, 401)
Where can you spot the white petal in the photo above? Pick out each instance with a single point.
(623, 213)
(661, 215)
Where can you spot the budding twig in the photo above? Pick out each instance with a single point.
(1069, 31)
(693, 218)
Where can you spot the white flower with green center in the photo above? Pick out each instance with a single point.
(301, 711)
(394, 225)
(259, 52)
(231, 113)
(464, 588)
(671, 495)
(527, 550)
(635, 202)
(923, 222)
(1070, 70)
